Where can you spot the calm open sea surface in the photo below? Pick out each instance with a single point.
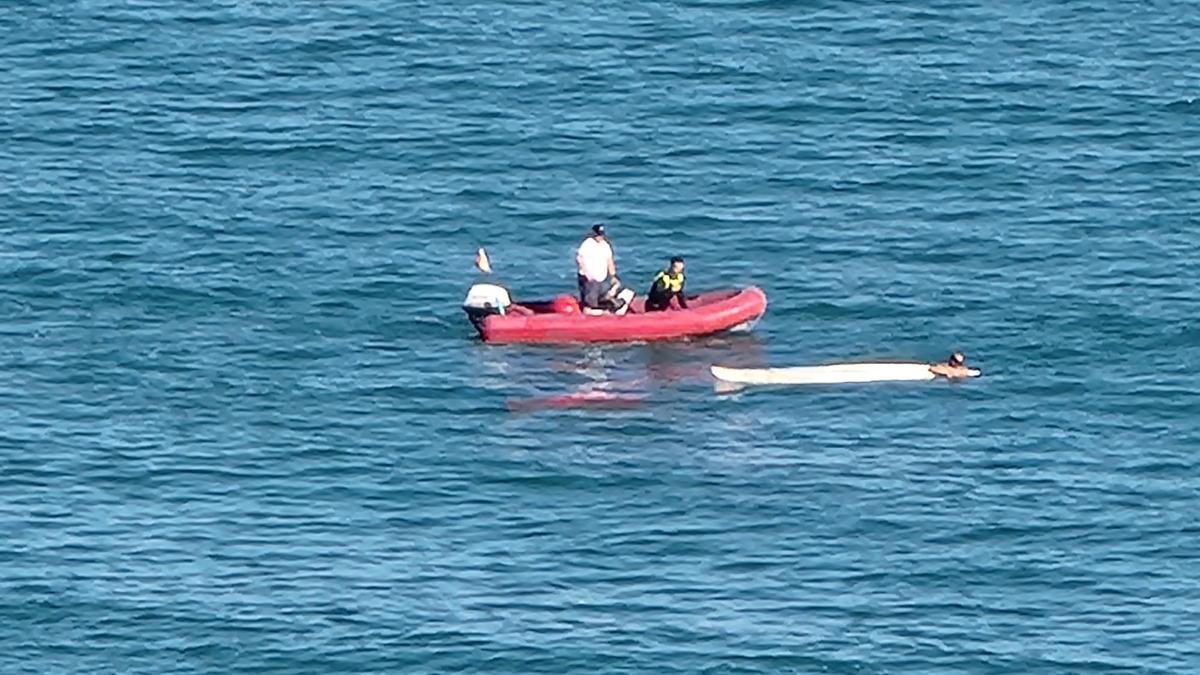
(245, 428)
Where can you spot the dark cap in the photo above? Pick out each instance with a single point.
(676, 259)
(598, 229)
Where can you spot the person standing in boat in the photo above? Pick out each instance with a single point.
(597, 270)
(667, 285)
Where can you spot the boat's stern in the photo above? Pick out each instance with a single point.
(484, 300)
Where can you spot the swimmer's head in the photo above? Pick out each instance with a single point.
(957, 360)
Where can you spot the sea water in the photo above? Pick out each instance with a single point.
(247, 428)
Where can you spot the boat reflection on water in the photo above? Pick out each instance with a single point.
(594, 400)
(629, 377)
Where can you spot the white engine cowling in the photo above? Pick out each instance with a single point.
(488, 298)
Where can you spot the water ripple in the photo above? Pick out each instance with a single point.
(246, 428)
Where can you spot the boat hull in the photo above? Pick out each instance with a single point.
(708, 313)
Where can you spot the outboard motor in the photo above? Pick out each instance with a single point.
(483, 300)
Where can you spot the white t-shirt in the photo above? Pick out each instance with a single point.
(593, 258)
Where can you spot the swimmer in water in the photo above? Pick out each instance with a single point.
(955, 367)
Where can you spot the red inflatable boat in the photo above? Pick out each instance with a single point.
(560, 320)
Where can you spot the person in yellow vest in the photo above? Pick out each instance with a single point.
(667, 284)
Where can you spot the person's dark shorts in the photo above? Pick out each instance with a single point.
(592, 293)
(662, 306)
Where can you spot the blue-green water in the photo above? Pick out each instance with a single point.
(245, 428)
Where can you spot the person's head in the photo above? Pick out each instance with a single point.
(598, 231)
(676, 265)
(957, 360)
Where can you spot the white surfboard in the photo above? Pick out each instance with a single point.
(838, 373)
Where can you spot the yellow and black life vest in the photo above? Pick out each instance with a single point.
(672, 284)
